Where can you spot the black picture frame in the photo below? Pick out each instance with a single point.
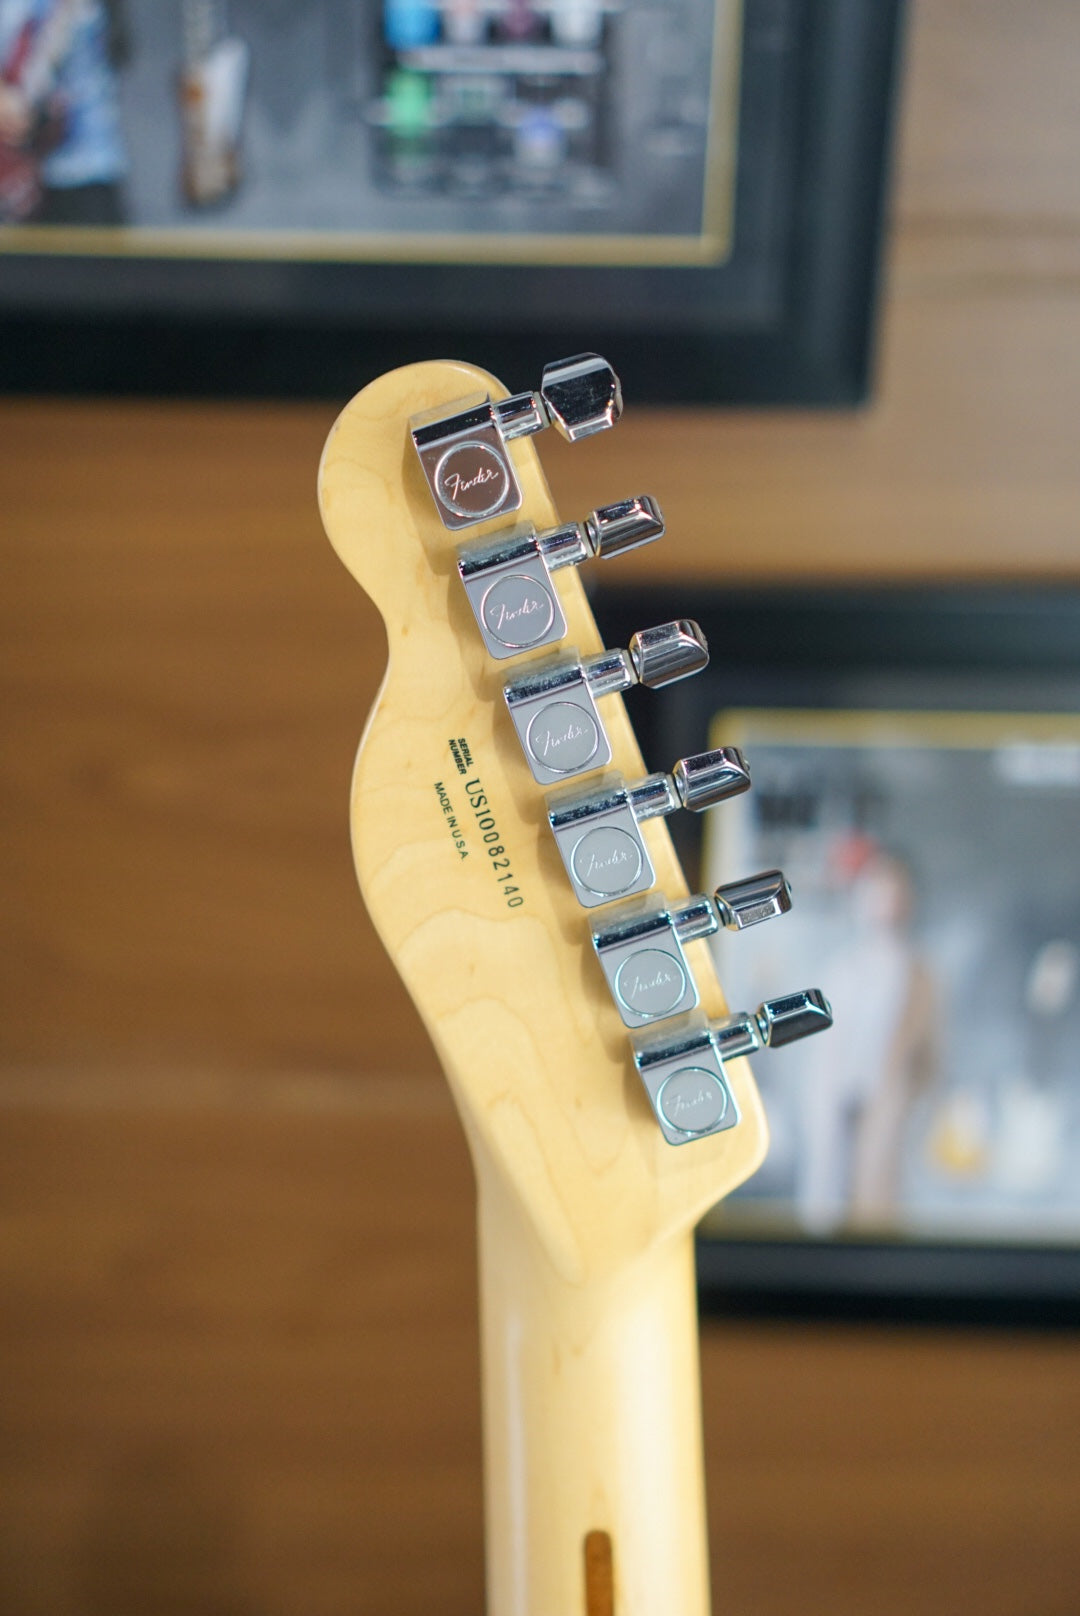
(963, 647)
(788, 318)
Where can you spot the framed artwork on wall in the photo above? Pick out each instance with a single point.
(209, 197)
(915, 759)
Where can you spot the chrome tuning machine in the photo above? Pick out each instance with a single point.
(508, 578)
(597, 830)
(682, 1068)
(463, 451)
(553, 704)
(640, 944)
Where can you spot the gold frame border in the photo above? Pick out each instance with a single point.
(888, 726)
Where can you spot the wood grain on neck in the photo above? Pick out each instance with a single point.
(591, 1414)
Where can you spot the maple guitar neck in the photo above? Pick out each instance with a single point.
(593, 1469)
(592, 1430)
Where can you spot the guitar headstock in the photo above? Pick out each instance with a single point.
(463, 791)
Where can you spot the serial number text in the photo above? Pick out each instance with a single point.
(501, 863)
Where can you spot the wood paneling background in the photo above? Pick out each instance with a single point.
(237, 1360)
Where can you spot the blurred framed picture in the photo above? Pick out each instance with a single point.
(930, 858)
(915, 757)
(216, 195)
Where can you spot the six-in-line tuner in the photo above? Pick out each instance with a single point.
(508, 579)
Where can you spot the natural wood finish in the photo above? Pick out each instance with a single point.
(592, 1423)
(591, 1401)
(516, 1005)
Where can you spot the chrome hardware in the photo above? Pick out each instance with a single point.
(597, 830)
(508, 579)
(758, 897)
(463, 452)
(682, 1068)
(613, 529)
(465, 461)
(553, 704)
(710, 777)
(640, 947)
(641, 952)
(669, 652)
(683, 1074)
(581, 396)
(520, 416)
(798, 1015)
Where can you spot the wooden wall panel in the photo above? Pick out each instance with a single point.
(237, 1350)
(187, 671)
(990, 116)
(239, 1376)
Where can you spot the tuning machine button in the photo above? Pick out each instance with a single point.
(581, 396)
(640, 944)
(682, 1067)
(668, 652)
(755, 898)
(597, 830)
(463, 450)
(797, 1015)
(553, 704)
(508, 578)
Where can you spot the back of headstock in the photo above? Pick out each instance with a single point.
(489, 879)
(494, 947)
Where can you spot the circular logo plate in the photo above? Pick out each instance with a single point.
(563, 737)
(472, 480)
(607, 861)
(518, 611)
(693, 1100)
(650, 982)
